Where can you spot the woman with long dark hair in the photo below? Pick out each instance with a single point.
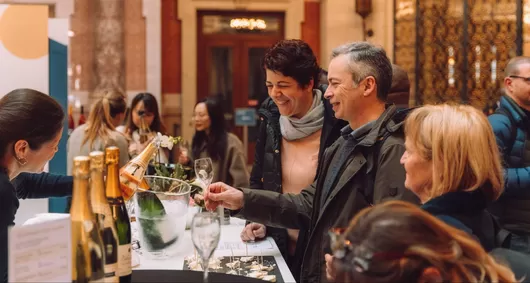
(212, 140)
(144, 115)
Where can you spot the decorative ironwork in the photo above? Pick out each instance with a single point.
(526, 27)
(405, 40)
(109, 59)
(461, 47)
(492, 43)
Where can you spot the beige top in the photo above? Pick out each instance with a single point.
(299, 168)
(74, 147)
(233, 170)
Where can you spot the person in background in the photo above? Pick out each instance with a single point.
(99, 131)
(122, 128)
(511, 125)
(31, 125)
(322, 78)
(454, 167)
(144, 109)
(360, 169)
(212, 140)
(397, 242)
(400, 89)
(297, 124)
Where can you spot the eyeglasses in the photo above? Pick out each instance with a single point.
(526, 79)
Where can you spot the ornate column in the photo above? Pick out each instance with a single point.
(109, 63)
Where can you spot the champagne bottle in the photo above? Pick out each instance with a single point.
(103, 215)
(82, 118)
(87, 247)
(132, 173)
(119, 214)
(71, 123)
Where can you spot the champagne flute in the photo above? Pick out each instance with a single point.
(204, 170)
(205, 234)
(143, 130)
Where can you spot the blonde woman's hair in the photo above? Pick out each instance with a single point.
(99, 124)
(460, 142)
(396, 241)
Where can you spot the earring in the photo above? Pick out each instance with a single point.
(22, 161)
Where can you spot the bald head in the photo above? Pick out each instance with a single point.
(513, 66)
(516, 82)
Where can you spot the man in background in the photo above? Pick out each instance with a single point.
(400, 90)
(511, 124)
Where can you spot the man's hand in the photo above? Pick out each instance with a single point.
(253, 231)
(330, 268)
(222, 194)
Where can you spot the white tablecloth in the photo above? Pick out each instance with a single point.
(229, 244)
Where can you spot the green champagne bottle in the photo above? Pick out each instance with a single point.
(103, 215)
(119, 214)
(88, 258)
(157, 230)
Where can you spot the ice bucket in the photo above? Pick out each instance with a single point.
(161, 215)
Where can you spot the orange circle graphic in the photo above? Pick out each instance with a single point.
(24, 30)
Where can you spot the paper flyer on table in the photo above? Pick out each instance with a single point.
(240, 248)
(41, 252)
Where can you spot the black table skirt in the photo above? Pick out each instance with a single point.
(186, 276)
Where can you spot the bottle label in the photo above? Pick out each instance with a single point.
(124, 260)
(111, 275)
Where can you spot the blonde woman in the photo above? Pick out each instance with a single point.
(100, 130)
(453, 165)
(398, 242)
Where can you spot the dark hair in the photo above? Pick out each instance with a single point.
(99, 124)
(293, 58)
(151, 105)
(323, 77)
(216, 141)
(26, 114)
(366, 59)
(400, 80)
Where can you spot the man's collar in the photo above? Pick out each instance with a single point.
(348, 133)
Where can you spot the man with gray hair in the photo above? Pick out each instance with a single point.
(360, 169)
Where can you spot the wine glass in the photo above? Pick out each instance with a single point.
(204, 170)
(205, 233)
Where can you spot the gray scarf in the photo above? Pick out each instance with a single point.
(313, 120)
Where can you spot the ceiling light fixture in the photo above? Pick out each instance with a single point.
(248, 24)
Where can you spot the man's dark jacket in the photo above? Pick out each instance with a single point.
(367, 178)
